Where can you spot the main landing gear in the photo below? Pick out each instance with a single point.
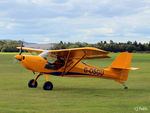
(47, 85)
(32, 84)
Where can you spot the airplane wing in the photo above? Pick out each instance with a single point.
(77, 53)
(31, 50)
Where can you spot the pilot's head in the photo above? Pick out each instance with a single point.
(58, 56)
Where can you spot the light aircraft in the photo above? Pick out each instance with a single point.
(68, 64)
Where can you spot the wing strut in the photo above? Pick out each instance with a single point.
(77, 61)
(66, 63)
(30, 52)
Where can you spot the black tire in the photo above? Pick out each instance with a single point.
(31, 85)
(48, 86)
(125, 87)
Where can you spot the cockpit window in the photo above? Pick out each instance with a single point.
(45, 54)
(54, 61)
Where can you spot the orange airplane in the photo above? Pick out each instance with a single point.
(67, 63)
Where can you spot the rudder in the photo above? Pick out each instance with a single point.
(121, 66)
(123, 61)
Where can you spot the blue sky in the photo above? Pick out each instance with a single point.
(49, 21)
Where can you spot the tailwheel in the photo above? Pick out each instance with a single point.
(123, 83)
(32, 83)
(125, 87)
(48, 85)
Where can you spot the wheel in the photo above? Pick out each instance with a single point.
(48, 86)
(126, 87)
(31, 85)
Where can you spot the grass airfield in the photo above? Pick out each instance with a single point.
(74, 95)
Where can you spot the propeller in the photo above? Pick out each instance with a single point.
(14, 61)
(21, 48)
(19, 57)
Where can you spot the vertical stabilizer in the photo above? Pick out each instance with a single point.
(121, 66)
(123, 61)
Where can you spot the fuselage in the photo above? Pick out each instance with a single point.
(73, 69)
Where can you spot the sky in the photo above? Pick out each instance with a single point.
(52, 21)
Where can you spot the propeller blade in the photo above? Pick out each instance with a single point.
(15, 61)
(21, 48)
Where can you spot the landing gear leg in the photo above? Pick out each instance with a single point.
(47, 85)
(123, 83)
(33, 82)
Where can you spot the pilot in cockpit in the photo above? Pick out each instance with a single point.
(59, 62)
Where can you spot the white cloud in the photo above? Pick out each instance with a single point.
(99, 31)
(23, 1)
(41, 2)
(144, 41)
(2, 24)
(4, 13)
(11, 26)
(49, 40)
(147, 37)
(46, 39)
(80, 20)
(132, 34)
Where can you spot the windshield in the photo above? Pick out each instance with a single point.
(45, 54)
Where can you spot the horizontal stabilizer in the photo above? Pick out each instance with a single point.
(133, 68)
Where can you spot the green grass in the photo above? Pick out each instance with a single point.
(74, 95)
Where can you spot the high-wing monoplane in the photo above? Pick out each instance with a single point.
(68, 63)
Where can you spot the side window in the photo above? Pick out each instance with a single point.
(55, 62)
(52, 59)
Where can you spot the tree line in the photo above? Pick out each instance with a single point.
(9, 45)
(108, 46)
